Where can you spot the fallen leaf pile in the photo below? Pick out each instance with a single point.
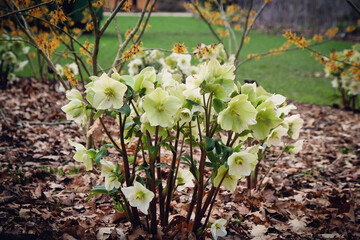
(42, 193)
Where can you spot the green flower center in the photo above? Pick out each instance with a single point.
(239, 161)
(140, 195)
(161, 107)
(109, 92)
(180, 181)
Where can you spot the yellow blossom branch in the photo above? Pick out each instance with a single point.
(113, 14)
(25, 9)
(209, 25)
(122, 47)
(146, 22)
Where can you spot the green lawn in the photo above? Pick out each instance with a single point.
(294, 74)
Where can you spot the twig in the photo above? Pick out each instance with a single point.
(146, 22)
(209, 25)
(269, 170)
(25, 9)
(113, 14)
(244, 33)
(127, 40)
(21, 123)
(353, 6)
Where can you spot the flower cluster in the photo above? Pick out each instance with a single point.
(344, 68)
(201, 106)
(11, 51)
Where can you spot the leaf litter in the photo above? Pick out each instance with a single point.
(316, 195)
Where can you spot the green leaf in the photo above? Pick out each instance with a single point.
(98, 114)
(157, 182)
(92, 153)
(140, 180)
(192, 102)
(125, 109)
(100, 155)
(209, 144)
(218, 105)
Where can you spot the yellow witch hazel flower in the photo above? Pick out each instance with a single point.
(242, 163)
(160, 108)
(138, 196)
(218, 228)
(108, 170)
(229, 182)
(76, 108)
(107, 93)
(184, 179)
(81, 155)
(239, 114)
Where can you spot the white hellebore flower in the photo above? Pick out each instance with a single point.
(184, 178)
(241, 163)
(274, 139)
(218, 228)
(108, 93)
(59, 69)
(295, 123)
(139, 196)
(108, 169)
(74, 68)
(81, 155)
(296, 147)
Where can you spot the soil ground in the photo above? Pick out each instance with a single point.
(315, 195)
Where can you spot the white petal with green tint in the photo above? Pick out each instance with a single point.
(238, 115)
(160, 108)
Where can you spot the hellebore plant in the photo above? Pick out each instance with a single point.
(158, 112)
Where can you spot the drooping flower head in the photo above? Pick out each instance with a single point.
(229, 182)
(184, 178)
(81, 155)
(218, 228)
(76, 108)
(138, 196)
(266, 119)
(294, 123)
(108, 170)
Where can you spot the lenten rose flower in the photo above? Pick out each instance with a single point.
(161, 108)
(81, 155)
(108, 93)
(139, 196)
(184, 178)
(241, 163)
(108, 170)
(238, 115)
(294, 123)
(218, 228)
(229, 182)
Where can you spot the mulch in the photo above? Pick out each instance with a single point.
(315, 195)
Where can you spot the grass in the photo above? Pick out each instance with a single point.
(294, 74)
